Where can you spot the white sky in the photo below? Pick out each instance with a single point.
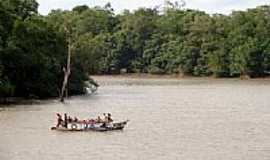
(210, 6)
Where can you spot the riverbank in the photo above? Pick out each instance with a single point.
(170, 76)
(148, 79)
(20, 101)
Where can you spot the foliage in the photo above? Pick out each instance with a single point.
(172, 41)
(32, 54)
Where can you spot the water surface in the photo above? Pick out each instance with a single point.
(170, 119)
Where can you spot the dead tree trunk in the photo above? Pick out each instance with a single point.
(66, 71)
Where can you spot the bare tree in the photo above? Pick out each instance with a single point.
(66, 69)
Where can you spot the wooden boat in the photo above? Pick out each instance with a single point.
(101, 127)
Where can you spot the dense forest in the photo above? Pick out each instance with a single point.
(33, 54)
(162, 40)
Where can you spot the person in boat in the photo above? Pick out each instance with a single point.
(109, 118)
(59, 120)
(91, 121)
(105, 117)
(98, 120)
(104, 121)
(69, 119)
(65, 120)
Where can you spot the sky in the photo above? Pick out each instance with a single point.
(210, 6)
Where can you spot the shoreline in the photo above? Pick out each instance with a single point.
(172, 76)
(17, 101)
(169, 80)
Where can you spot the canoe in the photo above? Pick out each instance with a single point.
(101, 127)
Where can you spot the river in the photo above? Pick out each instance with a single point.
(170, 119)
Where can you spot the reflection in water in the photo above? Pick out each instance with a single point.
(170, 119)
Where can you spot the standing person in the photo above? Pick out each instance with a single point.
(59, 120)
(65, 120)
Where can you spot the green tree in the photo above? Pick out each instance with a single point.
(21, 8)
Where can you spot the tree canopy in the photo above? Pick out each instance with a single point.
(148, 40)
(171, 41)
(32, 54)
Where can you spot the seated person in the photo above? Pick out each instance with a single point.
(105, 118)
(98, 120)
(110, 118)
(69, 119)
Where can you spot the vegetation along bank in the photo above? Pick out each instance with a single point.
(169, 40)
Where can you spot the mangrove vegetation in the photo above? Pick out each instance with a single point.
(161, 40)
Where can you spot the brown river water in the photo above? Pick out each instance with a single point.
(170, 119)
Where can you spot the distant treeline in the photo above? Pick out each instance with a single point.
(169, 40)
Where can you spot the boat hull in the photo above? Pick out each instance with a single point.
(100, 127)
